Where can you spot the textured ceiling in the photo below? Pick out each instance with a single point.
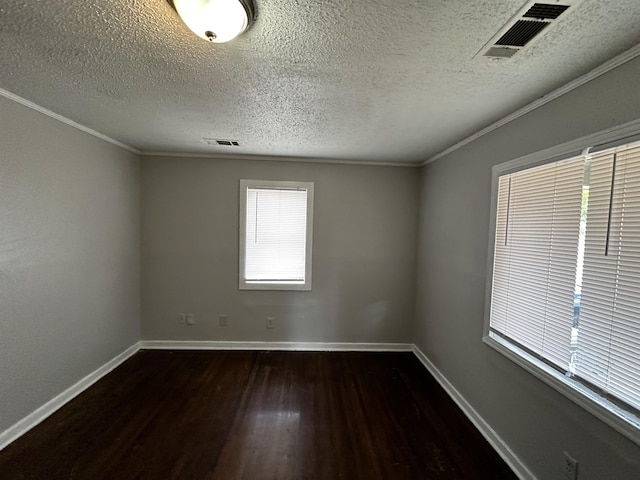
(370, 80)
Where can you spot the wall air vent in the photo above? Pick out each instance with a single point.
(526, 25)
(224, 143)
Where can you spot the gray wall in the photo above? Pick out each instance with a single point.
(364, 250)
(69, 257)
(535, 421)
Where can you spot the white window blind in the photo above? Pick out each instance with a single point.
(609, 321)
(537, 233)
(566, 273)
(275, 235)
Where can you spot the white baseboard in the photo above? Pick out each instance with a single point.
(38, 415)
(510, 458)
(294, 346)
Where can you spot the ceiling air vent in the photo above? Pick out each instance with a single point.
(526, 25)
(544, 10)
(521, 33)
(224, 143)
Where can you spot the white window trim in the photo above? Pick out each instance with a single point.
(242, 283)
(621, 420)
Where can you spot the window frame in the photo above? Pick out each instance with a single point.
(243, 284)
(623, 421)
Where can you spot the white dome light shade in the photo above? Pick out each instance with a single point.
(214, 20)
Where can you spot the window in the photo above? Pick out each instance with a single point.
(564, 300)
(276, 222)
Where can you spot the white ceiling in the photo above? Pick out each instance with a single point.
(363, 80)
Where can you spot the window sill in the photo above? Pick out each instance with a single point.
(621, 420)
(274, 286)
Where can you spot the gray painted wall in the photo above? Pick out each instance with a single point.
(69, 257)
(533, 419)
(364, 251)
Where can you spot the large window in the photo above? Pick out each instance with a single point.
(564, 300)
(276, 220)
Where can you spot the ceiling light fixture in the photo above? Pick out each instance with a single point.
(217, 21)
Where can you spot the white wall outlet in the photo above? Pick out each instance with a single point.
(182, 318)
(270, 321)
(223, 320)
(191, 319)
(570, 467)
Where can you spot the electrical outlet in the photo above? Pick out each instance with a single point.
(223, 320)
(270, 322)
(182, 318)
(191, 319)
(570, 467)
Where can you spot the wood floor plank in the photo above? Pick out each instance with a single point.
(258, 415)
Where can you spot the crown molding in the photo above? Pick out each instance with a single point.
(563, 90)
(67, 121)
(274, 158)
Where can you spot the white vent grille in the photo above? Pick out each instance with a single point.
(223, 143)
(528, 24)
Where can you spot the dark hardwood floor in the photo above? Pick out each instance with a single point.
(258, 415)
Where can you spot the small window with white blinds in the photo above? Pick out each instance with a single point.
(276, 220)
(565, 285)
